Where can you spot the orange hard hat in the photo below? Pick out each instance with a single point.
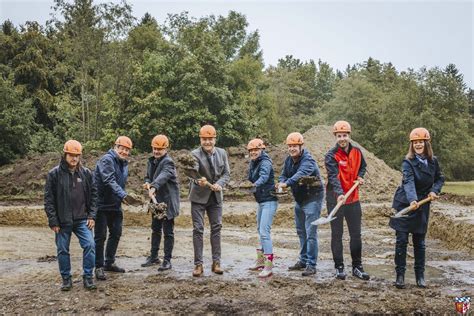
(341, 127)
(420, 133)
(73, 147)
(160, 141)
(256, 143)
(207, 131)
(124, 141)
(294, 139)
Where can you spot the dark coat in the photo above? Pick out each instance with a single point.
(418, 181)
(261, 174)
(57, 195)
(294, 170)
(110, 175)
(198, 194)
(161, 174)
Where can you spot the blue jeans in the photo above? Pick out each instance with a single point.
(86, 240)
(265, 213)
(305, 213)
(112, 220)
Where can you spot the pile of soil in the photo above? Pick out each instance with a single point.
(24, 179)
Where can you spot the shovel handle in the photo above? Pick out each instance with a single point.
(341, 203)
(153, 198)
(411, 208)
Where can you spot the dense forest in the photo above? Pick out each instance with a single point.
(95, 71)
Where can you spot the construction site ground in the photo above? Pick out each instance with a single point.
(30, 278)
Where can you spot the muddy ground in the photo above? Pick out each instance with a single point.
(30, 279)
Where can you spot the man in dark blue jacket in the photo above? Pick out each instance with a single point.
(308, 200)
(70, 198)
(162, 183)
(110, 174)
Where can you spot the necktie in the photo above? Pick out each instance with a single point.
(211, 166)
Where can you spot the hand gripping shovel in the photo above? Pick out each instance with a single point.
(193, 174)
(325, 220)
(408, 209)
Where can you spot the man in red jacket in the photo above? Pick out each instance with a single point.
(345, 164)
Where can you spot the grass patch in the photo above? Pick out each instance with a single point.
(465, 188)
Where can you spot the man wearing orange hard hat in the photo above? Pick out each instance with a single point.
(206, 196)
(308, 201)
(110, 175)
(161, 181)
(70, 198)
(345, 165)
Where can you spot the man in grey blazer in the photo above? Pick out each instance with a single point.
(206, 196)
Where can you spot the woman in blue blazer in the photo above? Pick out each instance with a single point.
(262, 177)
(422, 177)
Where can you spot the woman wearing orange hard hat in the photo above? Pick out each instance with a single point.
(261, 175)
(422, 178)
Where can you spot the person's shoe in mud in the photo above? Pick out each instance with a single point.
(359, 272)
(114, 268)
(88, 283)
(100, 274)
(400, 281)
(216, 268)
(298, 266)
(166, 265)
(309, 271)
(420, 280)
(198, 270)
(340, 273)
(67, 284)
(151, 261)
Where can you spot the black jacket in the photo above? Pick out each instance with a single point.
(161, 174)
(418, 181)
(110, 175)
(57, 195)
(261, 174)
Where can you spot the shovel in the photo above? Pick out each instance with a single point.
(193, 174)
(410, 208)
(325, 220)
(157, 209)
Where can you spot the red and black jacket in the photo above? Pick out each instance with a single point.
(343, 169)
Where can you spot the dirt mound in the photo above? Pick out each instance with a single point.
(381, 180)
(24, 179)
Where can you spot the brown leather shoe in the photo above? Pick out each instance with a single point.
(216, 268)
(198, 270)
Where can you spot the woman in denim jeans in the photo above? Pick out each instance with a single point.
(262, 176)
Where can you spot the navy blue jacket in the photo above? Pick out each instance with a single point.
(110, 175)
(294, 170)
(57, 195)
(261, 174)
(418, 181)
(161, 174)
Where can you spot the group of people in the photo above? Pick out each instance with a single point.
(78, 201)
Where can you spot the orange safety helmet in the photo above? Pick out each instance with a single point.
(341, 127)
(420, 133)
(124, 141)
(294, 139)
(256, 143)
(160, 141)
(208, 131)
(72, 147)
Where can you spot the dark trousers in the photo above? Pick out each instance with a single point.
(214, 213)
(401, 252)
(111, 220)
(353, 215)
(157, 227)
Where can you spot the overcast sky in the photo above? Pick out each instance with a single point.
(410, 34)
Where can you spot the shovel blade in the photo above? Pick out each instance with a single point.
(323, 220)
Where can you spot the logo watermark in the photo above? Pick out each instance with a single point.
(462, 304)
